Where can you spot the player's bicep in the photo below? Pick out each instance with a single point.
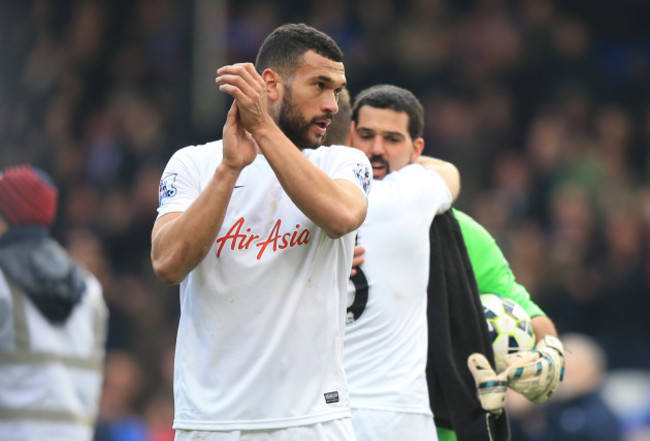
(354, 198)
(163, 221)
(158, 240)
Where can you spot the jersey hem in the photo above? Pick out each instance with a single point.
(260, 424)
(394, 408)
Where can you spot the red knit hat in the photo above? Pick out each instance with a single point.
(27, 196)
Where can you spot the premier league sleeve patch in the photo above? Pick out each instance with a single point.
(167, 189)
(363, 175)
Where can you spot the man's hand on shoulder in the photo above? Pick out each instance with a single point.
(447, 171)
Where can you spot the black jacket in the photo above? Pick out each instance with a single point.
(43, 270)
(457, 328)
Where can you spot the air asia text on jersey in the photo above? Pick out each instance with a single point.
(243, 240)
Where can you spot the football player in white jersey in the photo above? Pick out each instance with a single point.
(258, 228)
(371, 419)
(385, 348)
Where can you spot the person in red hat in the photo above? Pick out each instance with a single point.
(53, 320)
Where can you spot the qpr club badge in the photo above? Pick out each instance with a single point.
(362, 173)
(167, 189)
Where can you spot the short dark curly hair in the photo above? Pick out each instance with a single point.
(386, 96)
(283, 49)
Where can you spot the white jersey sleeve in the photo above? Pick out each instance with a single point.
(415, 184)
(345, 163)
(181, 180)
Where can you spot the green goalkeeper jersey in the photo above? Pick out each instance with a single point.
(491, 269)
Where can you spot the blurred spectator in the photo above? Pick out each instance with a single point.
(119, 418)
(53, 320)
(578, 411)
(627, 392)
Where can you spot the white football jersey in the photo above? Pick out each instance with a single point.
(262, 316)
(385, 350)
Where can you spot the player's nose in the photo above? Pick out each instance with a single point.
(378, 146)
(330, 103)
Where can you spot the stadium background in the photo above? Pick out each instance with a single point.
(543, 105)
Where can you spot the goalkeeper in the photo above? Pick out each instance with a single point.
(493, 275)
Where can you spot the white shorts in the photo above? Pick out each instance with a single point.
(30, 430)
(372, 425)
(336, 430)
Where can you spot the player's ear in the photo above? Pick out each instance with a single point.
(274, 84)
(353, 128)
(418, 147)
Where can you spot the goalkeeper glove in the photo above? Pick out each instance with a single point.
(537, 373)
(490, 387)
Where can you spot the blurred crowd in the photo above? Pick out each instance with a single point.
(543, 106)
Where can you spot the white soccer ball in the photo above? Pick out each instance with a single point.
(510, 327)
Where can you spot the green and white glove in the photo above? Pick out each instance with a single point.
(490, 387)
(537, 373)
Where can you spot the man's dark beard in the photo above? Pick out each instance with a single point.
(292, 123)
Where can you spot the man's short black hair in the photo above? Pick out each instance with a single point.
(386, 96)
(284, 48)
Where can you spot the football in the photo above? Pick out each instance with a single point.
(510, 327)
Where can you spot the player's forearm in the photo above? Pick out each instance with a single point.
(542, 326)
(337, 207)
(181, 240)
(446, 170)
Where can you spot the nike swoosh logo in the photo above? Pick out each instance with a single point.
(238, 186)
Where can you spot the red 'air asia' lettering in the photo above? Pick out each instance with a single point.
(278, 241)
